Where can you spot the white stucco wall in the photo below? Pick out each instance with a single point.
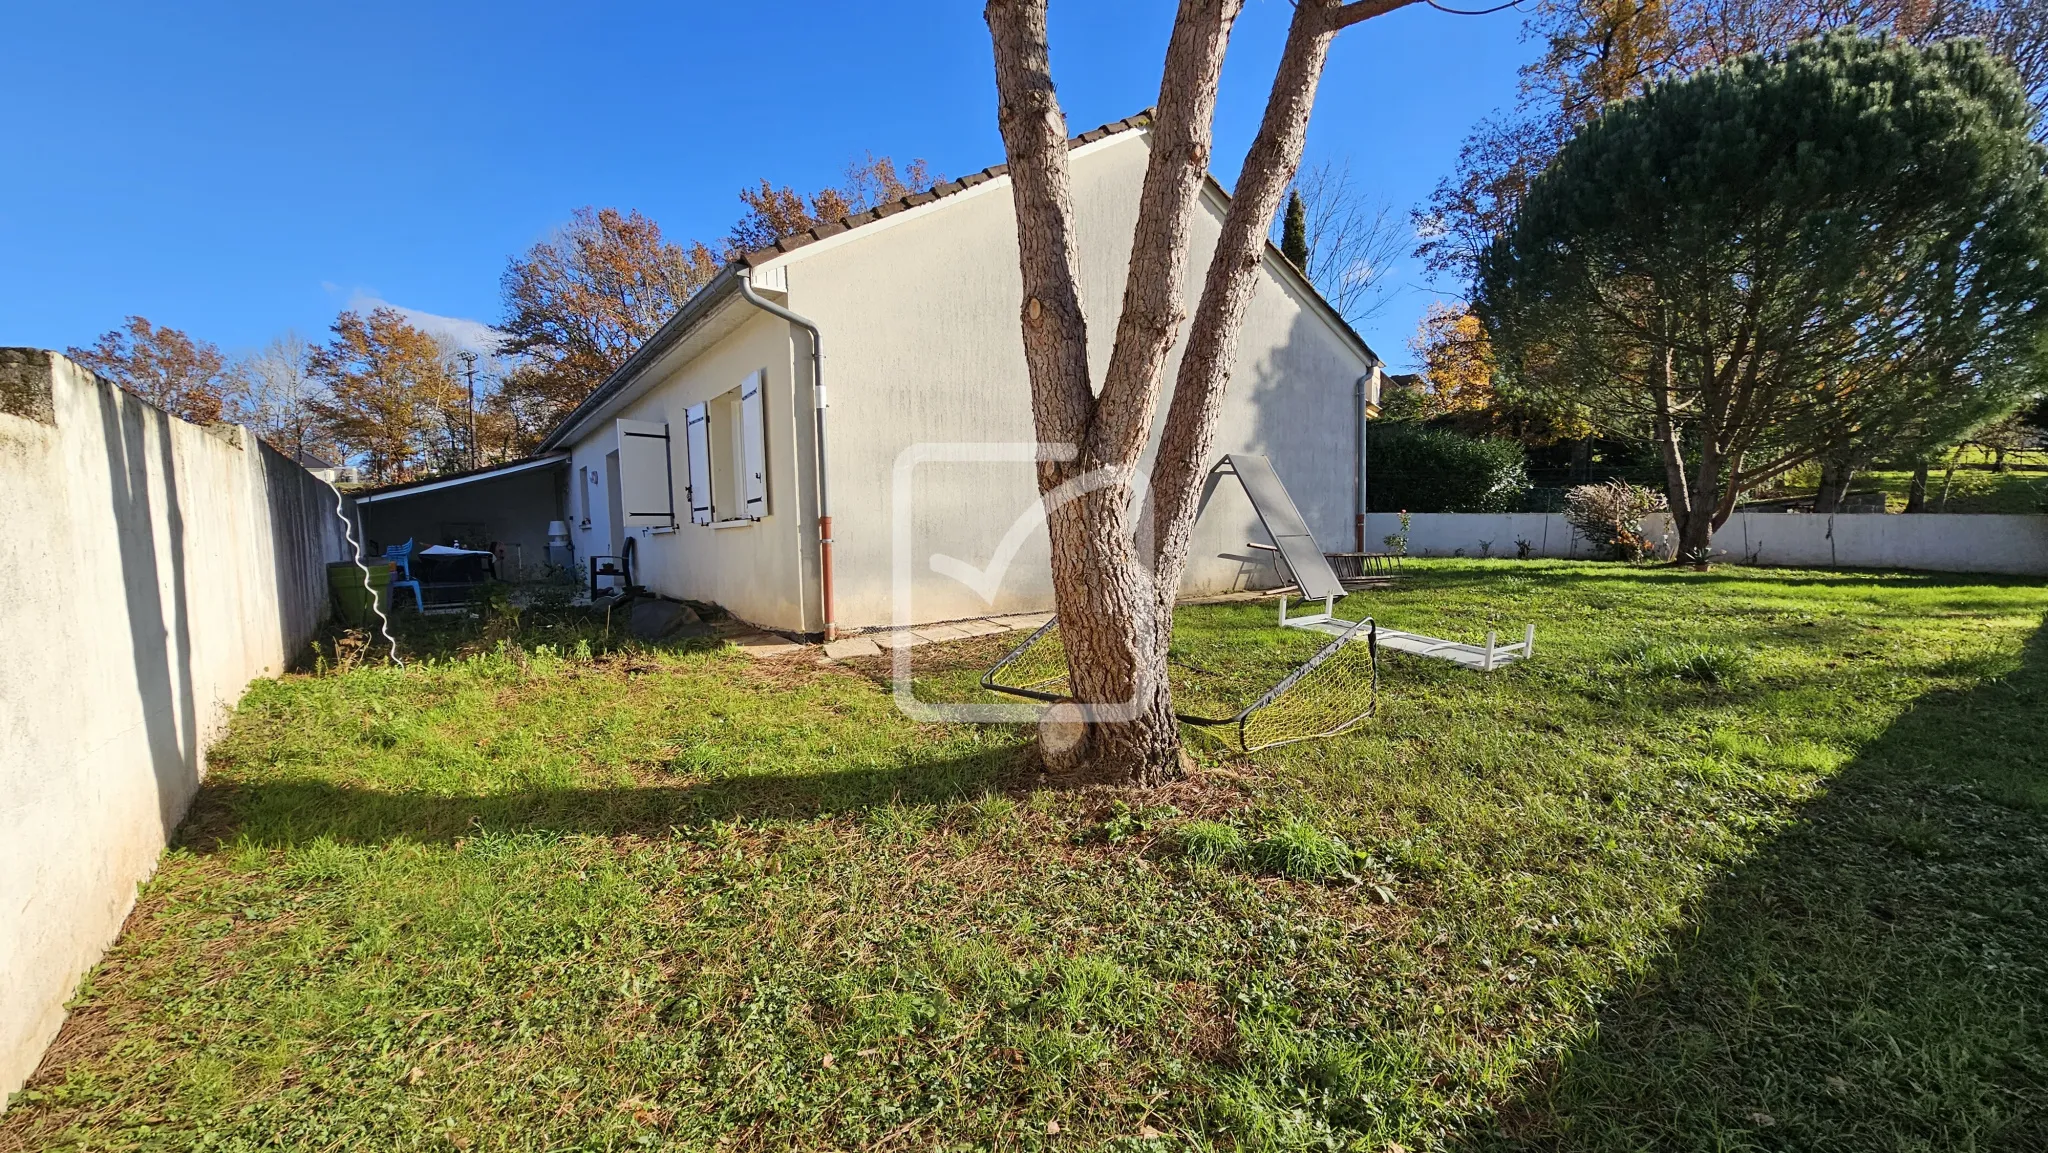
(920, 315)
(762, 571)
(1936, 542)
(149, 570)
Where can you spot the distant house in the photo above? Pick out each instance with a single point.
(707, 455)
(323, 468)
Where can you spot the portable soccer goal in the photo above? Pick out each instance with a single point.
(1330, 692)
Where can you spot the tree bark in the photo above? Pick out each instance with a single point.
(1121, 726)
(1269, 167)
(1916, 492)
(1691, 512)
(1112, 582)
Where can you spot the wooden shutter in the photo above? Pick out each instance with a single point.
(646, 483)
(699, 435)
(754, 445)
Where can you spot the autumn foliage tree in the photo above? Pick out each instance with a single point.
(578, 304)
(185, 377)
(1457, 360)
(1116, 568)
(390, 398)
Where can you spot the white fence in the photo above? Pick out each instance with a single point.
(149, 569)
(1938, 542)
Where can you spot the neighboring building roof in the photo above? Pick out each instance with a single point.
(451, 480)
(706, 299)
(310, 460)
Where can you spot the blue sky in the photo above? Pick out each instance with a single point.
(235, 170)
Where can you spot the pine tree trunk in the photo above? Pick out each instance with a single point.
(1113, 580)
(1916, 492)
(1835, 478)
(1121, 726)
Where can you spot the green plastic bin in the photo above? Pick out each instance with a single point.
(351, 600)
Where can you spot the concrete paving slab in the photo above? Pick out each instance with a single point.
(846, 647)
(940, 633)
(1021, 620)
(765, 645)
(895, 638)
(980, 628)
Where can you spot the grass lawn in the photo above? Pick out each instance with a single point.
(1973, 488)
(2017, 490)
(1742, 860)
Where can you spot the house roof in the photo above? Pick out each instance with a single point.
(308, 459)
(795, 241)
(451, 480)
(705, 300)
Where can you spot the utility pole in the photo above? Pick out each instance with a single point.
(468, 358)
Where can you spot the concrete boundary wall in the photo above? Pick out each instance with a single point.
(1935, 542)
(149, 569)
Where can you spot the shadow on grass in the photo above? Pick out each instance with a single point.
(297, 812)
(1877, 978)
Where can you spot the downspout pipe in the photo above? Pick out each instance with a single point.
(746, 285)
(1368, 401)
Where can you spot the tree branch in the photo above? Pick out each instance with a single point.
(1361, 10)
(1035, 137)
(1183, 127)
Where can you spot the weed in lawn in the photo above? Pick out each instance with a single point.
(1706, 664)
(1125, 822)
(1209, 842)
(1303, 852)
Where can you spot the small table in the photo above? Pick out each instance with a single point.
(444, 568)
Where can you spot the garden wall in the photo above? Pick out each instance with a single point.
(1938, 542)
(149, 569)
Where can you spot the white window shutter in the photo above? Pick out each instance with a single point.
(754, 439)
(699, 434)
(646, 483)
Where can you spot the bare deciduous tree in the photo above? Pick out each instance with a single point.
(276, 397)
(1353, 240)
(1115, 570)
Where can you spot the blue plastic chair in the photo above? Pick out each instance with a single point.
(401, 556)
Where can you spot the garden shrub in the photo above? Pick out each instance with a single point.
(1422, 469)
(1611, 515)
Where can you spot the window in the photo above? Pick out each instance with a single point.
(727, 443)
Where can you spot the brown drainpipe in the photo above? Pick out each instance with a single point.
(824, 487)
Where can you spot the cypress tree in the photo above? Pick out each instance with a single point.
(1294, 232)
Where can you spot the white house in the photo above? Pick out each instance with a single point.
(713, 451)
